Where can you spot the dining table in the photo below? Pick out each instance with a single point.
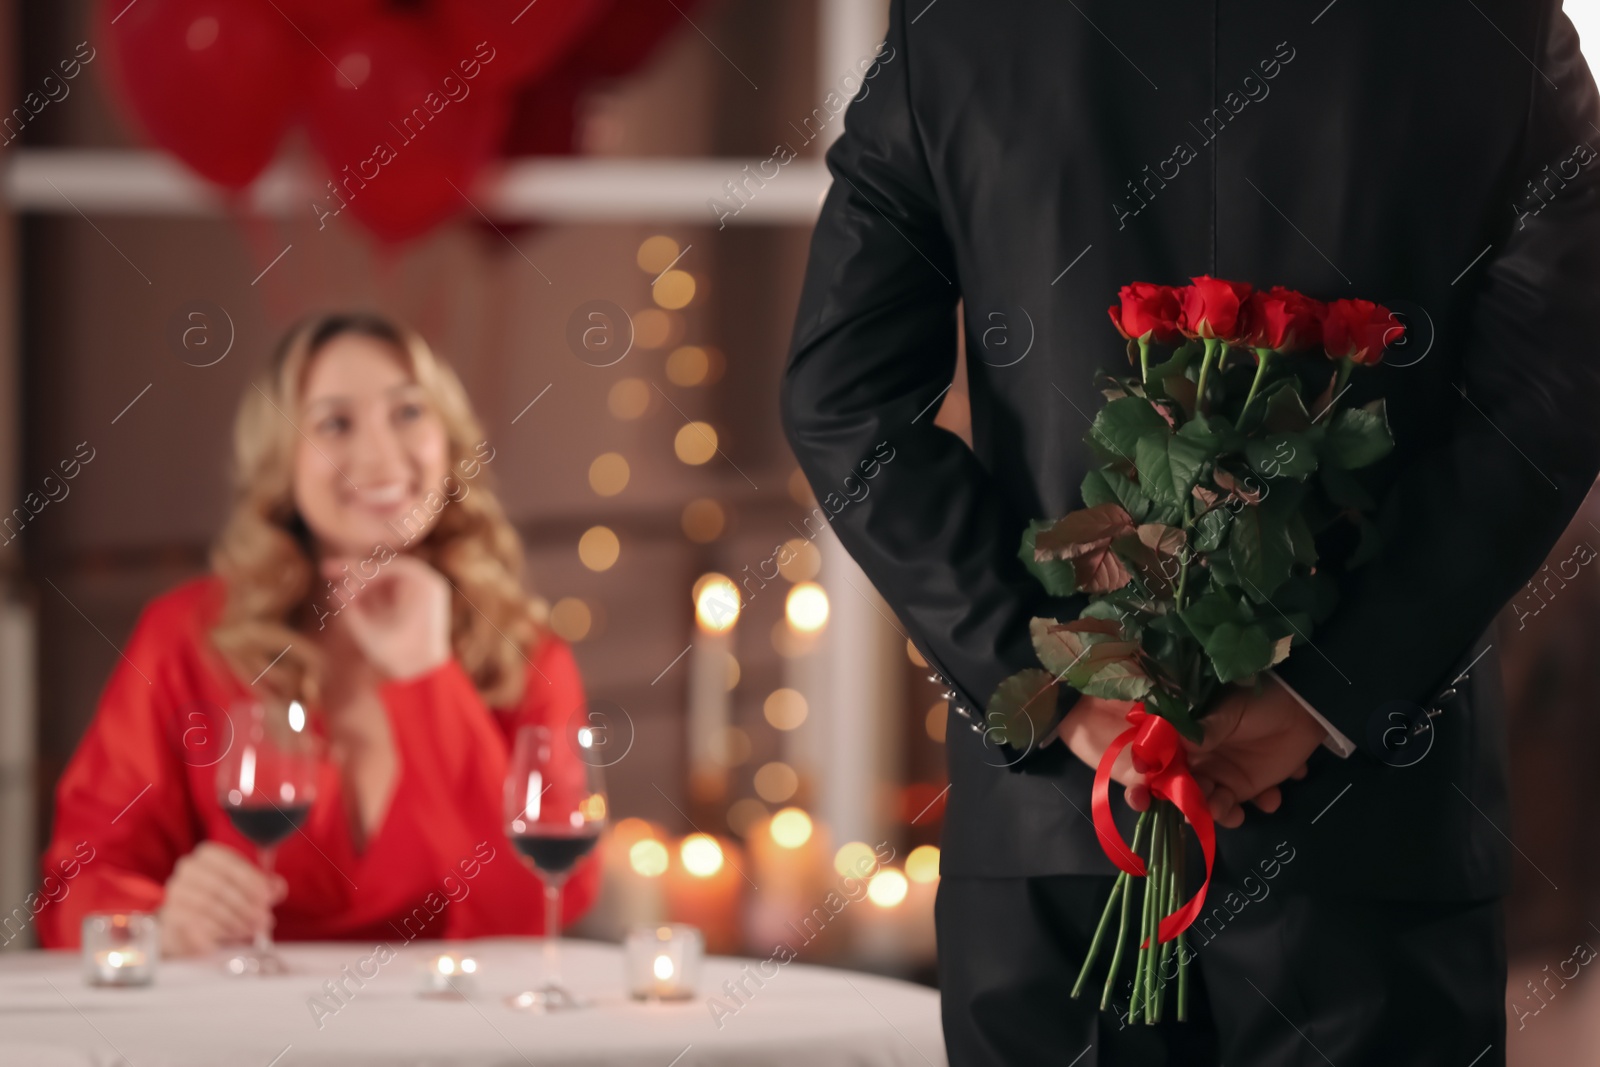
(354, 1004)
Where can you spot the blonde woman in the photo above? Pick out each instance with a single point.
(368, 571)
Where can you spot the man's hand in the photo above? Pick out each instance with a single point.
(1088, 729)
(1254, 743)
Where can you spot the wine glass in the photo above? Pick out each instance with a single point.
(266, 784)
(555, 807)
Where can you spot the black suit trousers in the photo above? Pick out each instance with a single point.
(1290, 980)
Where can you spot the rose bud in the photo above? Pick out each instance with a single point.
(1147, 312)
(1211, 309)
(1358, 330)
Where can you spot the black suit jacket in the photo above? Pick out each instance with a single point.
(1010, 163)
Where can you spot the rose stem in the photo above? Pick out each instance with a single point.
(1262, 355)
(1100, 933)
(1169, 901)
(1122, 929)
(1183, 957)
(1147, 906)
(1205, 367)
(1157, 885)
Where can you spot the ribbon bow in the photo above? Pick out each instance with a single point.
(1158, 754)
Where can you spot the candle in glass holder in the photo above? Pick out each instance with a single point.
(449, 975)
(663, 962)
(120, 948)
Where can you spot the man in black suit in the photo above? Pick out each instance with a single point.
(1014, 162)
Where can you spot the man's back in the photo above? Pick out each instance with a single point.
(1026, 159)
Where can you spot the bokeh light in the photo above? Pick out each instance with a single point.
(701, 855)
(776, 782)
(801, 561)
(746, 816)
(608, 474)
(688, 365)
(695, 443)
(656, 254)
(887, 888)
(628, 398)
(571, 618)
(923, 864)
(806, 607)
(648, 857)
(599, 548)
(703, 520)
(855, 859)
(791, 828)
(785, 709)
(673, 290)
(716, 602)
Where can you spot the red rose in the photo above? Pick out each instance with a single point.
(1358, 330)
(1211, 308)
(1282, 320)
(1147, 312)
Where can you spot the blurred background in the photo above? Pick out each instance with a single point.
(614, 274)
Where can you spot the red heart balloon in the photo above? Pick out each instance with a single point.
(527, 38)
(403, 131)
(214, 82)
(324, 20)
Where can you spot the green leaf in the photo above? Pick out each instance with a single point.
(1125, 614)
(1301, 541)
(1023, 708)
(1056, 575)
(1286, 411)
(1170, 465)
(1119, 426)
(1260, 551)
(1122, 680)
(1095, 491)
(1064, 647)
(1358, 437)
(1177, 364)
(1212, 610)
(1282, 455)
(1212, 431)
(1239, 651)
(1125, 491)
(1211, 528)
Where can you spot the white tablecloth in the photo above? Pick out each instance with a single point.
(196, 1015)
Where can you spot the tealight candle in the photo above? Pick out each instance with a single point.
(449, 975)
(120, 949)
(663, 961)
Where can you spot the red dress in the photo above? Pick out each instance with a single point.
(140, 793)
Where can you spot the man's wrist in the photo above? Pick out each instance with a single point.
(1335, 741)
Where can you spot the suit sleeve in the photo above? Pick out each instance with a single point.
(874, 349)
(123, 813)
(1467, 522)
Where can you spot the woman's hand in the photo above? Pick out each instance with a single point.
(400, 619)
(215, 896)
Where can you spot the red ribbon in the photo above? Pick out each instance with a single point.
(1159, 755)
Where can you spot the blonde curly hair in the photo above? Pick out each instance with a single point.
(265, 557)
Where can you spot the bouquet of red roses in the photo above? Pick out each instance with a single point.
(1221, 505)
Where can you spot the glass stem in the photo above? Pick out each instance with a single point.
(263, 938)
(552, 931)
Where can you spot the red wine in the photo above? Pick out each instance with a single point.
(265, 824)
(554, 853)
